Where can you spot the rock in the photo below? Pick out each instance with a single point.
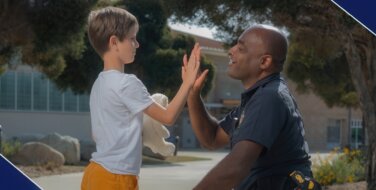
(68, 146)
(36, 153)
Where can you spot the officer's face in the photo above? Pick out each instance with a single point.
(244, 57)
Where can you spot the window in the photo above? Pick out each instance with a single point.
(23, 91)
(56, 98)
(32, 91)
(84, 103)
(70, 101)
(333, 133)
(7, 90)
(39, 92)
(357, 134)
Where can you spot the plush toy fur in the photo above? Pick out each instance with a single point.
(154, 133)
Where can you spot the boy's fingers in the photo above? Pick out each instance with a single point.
(198, 52)
(193, 50)
(198, 63)
(190, 64)
(185, 60)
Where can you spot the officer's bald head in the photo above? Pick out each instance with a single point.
(274, 42)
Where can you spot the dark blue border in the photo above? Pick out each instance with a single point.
(362, 11)
(12, 178)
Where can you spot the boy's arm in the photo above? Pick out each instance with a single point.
(168, 115)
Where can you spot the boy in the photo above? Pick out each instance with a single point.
(118, 101)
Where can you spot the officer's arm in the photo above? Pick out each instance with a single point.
(233, 168)
(206, 127)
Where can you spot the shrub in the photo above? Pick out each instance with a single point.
(340, 167)
(9, 148)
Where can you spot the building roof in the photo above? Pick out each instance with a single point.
(208, 46)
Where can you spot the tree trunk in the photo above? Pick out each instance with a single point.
(361, 56)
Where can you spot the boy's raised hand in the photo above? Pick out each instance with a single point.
(200, 76)
(191, 67)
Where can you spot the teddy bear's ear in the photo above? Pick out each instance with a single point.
(160, 99)
(165, 100)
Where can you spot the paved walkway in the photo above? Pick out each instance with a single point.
(179, 176)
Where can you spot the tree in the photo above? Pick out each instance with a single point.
(80, 74)
(55, 42)
(327, 48)
(43, 32)
(159, 58)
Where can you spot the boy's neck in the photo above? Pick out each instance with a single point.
(111, 63)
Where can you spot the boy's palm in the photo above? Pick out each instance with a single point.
(200, 77)
(191, 66)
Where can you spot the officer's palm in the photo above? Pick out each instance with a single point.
(200, 80)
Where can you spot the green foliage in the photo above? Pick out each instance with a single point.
(56, 44)
(80, 74)
(57, 23)
(159, 59)
(318, 31)
(59, 28)
(5, 55)
(164, 69)
(340, 168)
(46, 31)
(164, 72)
(327, 78)
(9, 148)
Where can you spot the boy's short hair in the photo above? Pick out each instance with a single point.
(108, 21)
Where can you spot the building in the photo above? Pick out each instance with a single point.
(30, 104)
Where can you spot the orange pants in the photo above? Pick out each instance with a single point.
(98, 178)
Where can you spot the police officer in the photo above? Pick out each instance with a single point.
(265, 131)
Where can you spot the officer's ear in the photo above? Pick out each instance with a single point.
(266, 62)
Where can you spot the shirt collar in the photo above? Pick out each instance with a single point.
(249, 92)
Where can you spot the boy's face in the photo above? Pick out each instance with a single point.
(127, 47)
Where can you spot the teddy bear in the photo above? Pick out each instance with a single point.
(154, 133)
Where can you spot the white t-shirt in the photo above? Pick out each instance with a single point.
(117, 101)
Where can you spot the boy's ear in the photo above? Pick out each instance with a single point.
(112, 42)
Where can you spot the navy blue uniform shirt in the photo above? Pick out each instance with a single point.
(268, 115)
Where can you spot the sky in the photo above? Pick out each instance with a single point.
(193, 29)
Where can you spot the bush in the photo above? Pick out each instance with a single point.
(9, 148)
(340, 167)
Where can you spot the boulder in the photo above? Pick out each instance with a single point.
(68, 146)
(36, 153)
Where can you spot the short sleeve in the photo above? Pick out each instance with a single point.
(134, 94)
(229, 121)
(263, 119)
